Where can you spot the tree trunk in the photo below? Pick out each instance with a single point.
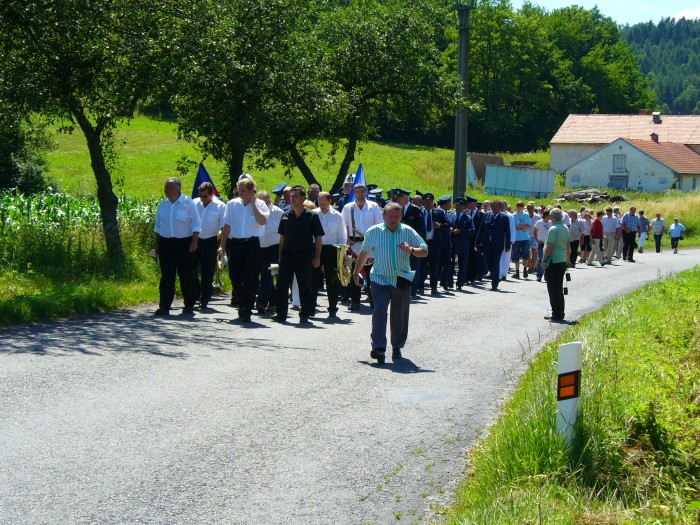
(345, 165)
(235, 166)
(303, 167)
(105, 194)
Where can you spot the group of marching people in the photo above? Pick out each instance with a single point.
(296, 233)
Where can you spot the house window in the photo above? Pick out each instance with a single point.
(619, 162)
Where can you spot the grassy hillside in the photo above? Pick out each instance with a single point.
(149, 150)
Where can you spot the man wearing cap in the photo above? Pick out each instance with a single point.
(177, 231)
(246, 216)
(390, 244)
(435, 221)
(475, 256)
(413, 217)
(278, 191)
(212, 213)
(462, 235)
(359, 216)
(347, 189)
(494, 239)
(446, 264)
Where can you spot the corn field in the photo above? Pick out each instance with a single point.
(56, 232)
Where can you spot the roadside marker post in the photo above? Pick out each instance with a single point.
(568, 388)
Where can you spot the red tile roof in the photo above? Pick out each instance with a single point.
(603, 129)
(678, 157)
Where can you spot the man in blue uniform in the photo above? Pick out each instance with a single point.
(494, 239)
(446, 266)
(462, 235)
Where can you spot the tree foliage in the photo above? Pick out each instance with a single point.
(669, 56)
(86, 64)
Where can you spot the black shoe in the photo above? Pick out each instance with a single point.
(162, 311)
(354, 307)
(304, 319)
(517, 275)
(539, 278)
(396, 354)
(203, 306)
(188, 310)
(234, 303)
(261, 309)
(332, 312)
(434, 291)
(525, 273)
(245, 318)
(630, 260)
(379, 354)
(278, 318)
(552, 318)
(459, 287)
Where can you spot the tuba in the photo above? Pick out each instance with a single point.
(344, 263)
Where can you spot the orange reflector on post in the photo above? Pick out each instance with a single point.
(568, 385)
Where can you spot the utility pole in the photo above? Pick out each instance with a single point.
(459, 186)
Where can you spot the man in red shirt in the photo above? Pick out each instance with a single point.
(596, 240)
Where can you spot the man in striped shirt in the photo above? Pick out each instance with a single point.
(390, 244)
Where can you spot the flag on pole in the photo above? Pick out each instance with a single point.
(359, 179)
(203, 176)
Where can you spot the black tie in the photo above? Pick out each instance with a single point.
(429, 226)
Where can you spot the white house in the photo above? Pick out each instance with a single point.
(581, 135)
(642, 165)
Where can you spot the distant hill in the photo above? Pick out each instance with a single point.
(669, 55)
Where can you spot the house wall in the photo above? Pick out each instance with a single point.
(689, 182)
(563, 156)
(521, 182)
(643, 172)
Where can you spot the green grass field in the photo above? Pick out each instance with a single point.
(636, 456)
(148, 151)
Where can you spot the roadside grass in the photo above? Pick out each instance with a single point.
(636, 455)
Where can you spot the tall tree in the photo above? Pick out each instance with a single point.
(87, 64)
(231, 67)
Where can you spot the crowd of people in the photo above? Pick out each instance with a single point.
(300, 241)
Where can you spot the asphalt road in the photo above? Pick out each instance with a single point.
(125, 418)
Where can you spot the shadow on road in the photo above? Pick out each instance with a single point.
(402, 366)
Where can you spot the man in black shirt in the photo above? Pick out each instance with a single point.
(300, 249)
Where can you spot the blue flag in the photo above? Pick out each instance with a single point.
(359, 179)
(203, 176)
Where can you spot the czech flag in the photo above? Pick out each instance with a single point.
(203, 176)
(359, 178)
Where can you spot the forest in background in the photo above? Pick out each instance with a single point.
(669, 56)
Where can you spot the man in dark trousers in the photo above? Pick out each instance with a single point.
(494, 239)
(413, 217)
(462, 236)
(474, 254)
(301, 242)
(435, 221)
(446, 266)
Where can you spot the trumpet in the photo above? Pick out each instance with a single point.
(344, 263)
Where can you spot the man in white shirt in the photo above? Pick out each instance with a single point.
(177, 231)
(270, 247)
(610, 225)
(334, 232)
(658, 226)
(246, 216)
(212, 213)
(359, 216)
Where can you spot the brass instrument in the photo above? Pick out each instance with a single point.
(344, 263)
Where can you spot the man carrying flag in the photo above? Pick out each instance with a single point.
(202, 177)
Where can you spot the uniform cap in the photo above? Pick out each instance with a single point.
(279, 188)
(428, 196)
(444, 199)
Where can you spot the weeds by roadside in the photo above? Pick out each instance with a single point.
(636, 457)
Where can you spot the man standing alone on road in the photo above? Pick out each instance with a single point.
(557, 251)
(390, 244)
(177, 231)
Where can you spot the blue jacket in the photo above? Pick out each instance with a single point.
(494, 234)
(461, 241)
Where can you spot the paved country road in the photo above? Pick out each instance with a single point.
(125, 418)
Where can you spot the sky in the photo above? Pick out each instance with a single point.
(629, 11)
